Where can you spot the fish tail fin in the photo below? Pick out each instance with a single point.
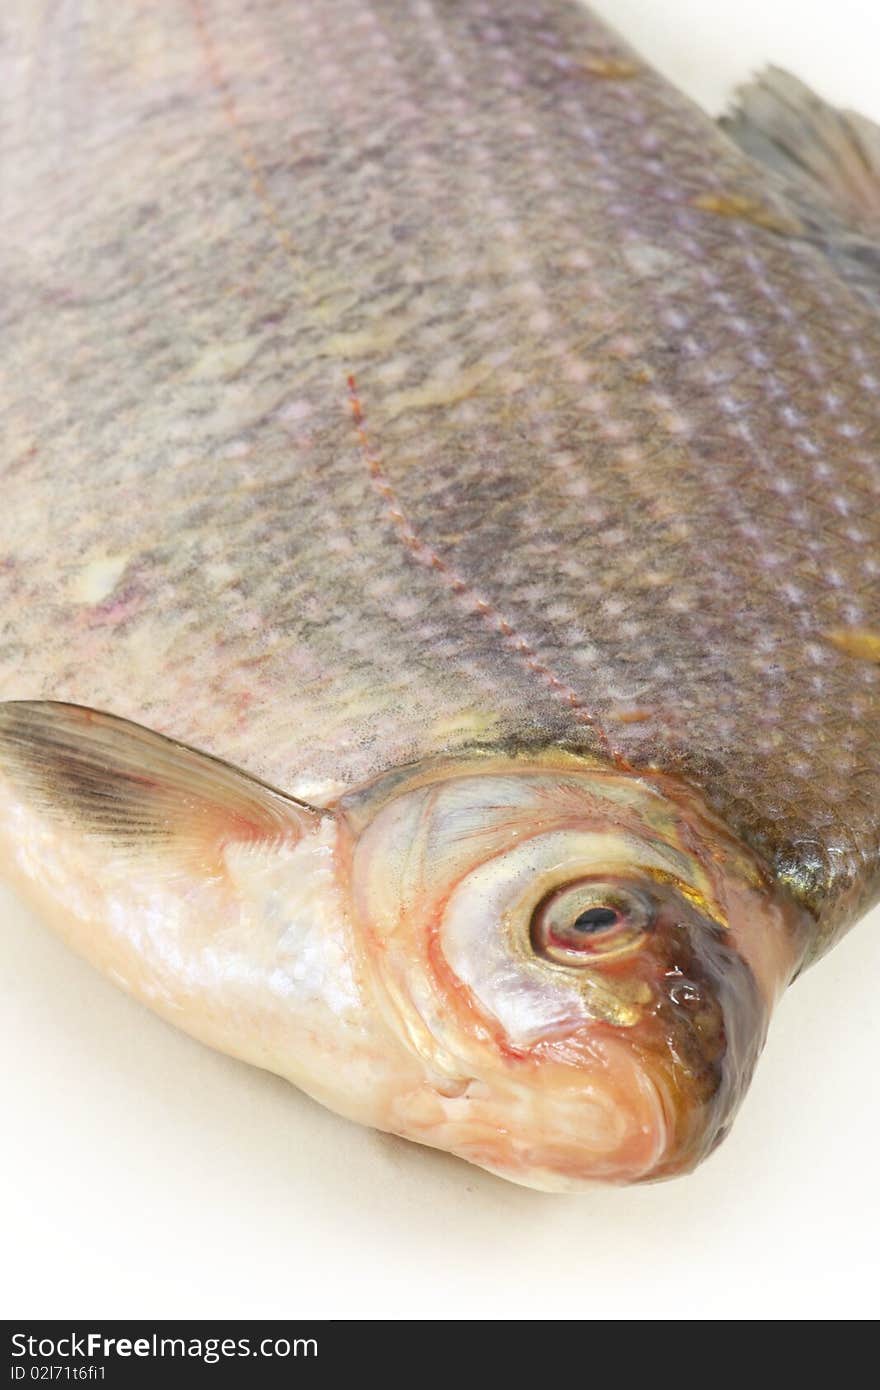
(828, 163)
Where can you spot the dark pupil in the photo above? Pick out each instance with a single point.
(595, 919)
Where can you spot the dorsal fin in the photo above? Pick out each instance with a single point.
(827, 162)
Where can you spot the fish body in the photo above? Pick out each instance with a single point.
(449, 467)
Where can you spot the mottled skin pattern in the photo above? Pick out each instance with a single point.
(376, 388)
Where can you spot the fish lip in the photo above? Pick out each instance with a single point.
(671, 1128)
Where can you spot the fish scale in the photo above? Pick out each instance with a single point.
(397, 384)
(589, 400)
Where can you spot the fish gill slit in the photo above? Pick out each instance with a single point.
(426, 555)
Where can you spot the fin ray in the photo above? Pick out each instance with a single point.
(827, 164)
(138, 789)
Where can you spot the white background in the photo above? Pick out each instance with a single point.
(144, 1175)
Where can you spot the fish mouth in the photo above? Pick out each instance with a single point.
(597, 1103)
(553, 1133)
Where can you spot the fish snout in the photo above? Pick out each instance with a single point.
(701, 1038)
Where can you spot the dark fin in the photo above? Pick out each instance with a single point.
(827, 163)
(134, 788)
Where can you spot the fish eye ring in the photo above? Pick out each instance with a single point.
(589, 921)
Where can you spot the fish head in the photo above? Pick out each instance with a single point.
(583, 961)
(556, 968)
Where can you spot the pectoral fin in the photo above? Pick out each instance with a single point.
(197, 888)
(140, 792)
(827, 163)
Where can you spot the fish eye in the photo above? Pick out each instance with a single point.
(590, 921)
